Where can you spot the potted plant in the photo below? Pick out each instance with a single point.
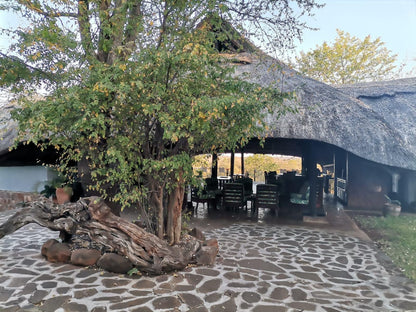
(59, 190)
(63, 194)
(392, 207)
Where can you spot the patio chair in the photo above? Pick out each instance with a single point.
(203, 196)
(301, 198)
(233, 196)
(223, 180)
(211, 184)
(267, 196)
(299, 202)
(248, 185)
(270, 177)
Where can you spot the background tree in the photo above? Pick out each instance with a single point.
(254, 164)
(348, 60)
(134, 88)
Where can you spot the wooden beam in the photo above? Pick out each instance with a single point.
(214, 166)
(242, 162)
(232, 164)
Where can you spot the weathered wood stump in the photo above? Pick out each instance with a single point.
(91, 217)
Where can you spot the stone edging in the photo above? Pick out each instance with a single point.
(11, 200)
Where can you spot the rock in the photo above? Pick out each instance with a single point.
(85, 257)
(206, 255)
(58, 252)
(47, 245)
(212, 242)
(115, 263)
(197, 233)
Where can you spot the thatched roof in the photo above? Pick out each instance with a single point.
(374, 121)
(340, 116)
(395, 102)
(8, 127)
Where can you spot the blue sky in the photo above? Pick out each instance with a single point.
(394, 21)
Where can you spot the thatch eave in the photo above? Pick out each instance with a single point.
(333, 116)
(373, 121)
(8, 127)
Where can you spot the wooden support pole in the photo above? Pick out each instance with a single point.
(242, 162)
(313, 179)
(232, 164)
(335, 178)
(214, 166)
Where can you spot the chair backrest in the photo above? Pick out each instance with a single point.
(233, 195)
(212, 184)
(305, 190)
(248, 185)
(270, 177)
(267, 196)
(222, 181)
(237, 177)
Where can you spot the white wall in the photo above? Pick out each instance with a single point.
(25, 179)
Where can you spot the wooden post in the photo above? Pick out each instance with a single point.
(346, 166)
(347, 169)
(304, 164)
(313, 182)
(312, 178)
(242, 162)
(214, 166)
(232, 164)
(335, 178)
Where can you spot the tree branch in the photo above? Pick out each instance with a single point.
(35, 7)
(85, 28)
(29, 67)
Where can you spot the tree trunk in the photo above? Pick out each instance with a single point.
(174, 225)
(156, 204)
(91, 216)
(85, 173)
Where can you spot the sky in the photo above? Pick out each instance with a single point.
(394, 21)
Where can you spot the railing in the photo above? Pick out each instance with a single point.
(342, 190)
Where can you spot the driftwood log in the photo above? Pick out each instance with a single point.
(92, 217)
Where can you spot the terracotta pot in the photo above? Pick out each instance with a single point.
(391, 210)
(62, 195)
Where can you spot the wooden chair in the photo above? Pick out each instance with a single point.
(270, 177)
(267, 196)
(222, 181)
(248, 185)
(233, 196)
(300, 201)
(211, 184)
(202, 196)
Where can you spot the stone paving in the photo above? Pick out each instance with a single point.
(261, 267)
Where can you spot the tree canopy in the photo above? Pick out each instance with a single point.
(348, 60)
(132, 89)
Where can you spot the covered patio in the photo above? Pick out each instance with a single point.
(350, 132)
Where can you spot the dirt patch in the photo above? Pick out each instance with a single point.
(374, 235)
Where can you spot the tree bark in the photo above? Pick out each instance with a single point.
(174, 224)
(91, 216)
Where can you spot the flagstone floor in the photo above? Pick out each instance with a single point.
(261, 267)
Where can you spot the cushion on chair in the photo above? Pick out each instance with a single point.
(301, 198)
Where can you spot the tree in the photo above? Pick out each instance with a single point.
(348, 60)
(260, 163)
(134, 88)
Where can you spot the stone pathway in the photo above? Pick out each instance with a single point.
(261, 267)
